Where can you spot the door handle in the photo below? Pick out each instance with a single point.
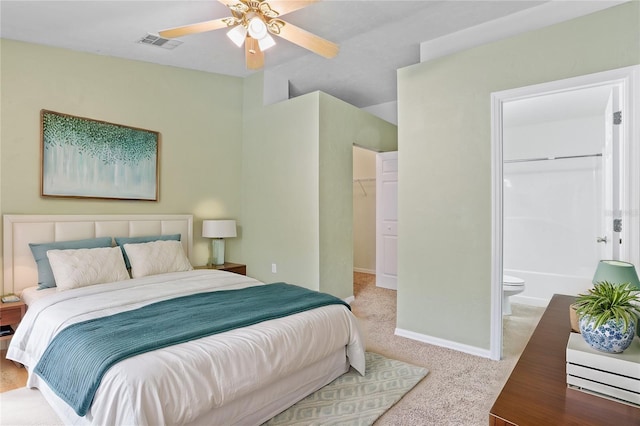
(602, 239)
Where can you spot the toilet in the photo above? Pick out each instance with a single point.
(510, 287)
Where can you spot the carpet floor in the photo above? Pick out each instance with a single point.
(460, 388)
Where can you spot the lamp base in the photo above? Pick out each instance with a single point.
(217, 252)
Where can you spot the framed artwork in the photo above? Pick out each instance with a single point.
(85, 158)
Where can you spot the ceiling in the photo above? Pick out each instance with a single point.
(376, 37)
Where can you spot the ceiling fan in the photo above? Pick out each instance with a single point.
(252, 23)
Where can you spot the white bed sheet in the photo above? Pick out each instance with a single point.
(191, 382)
(30, 294)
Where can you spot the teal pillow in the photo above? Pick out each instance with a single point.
(39, 251)
(121, 241)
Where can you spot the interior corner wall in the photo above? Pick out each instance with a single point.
(198, 116)
(444, 255)
(341, 126)
(280, 202)
(297, 168)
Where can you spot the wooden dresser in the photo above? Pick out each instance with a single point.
(536, 393)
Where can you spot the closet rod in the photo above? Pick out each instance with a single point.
(525, 160)
(360, 180)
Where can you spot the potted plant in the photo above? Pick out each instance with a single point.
(607, 316)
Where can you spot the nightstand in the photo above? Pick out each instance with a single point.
(10, 314)
(236, 268)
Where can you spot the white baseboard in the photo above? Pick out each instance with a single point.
(365, 271)
(484, 353)
(392, 286)
(350, 299)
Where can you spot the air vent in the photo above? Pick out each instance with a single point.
(155, 40)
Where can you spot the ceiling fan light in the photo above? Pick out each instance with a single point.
(266, 42)
(237, 35)
(257, 28)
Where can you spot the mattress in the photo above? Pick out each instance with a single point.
(201, 377)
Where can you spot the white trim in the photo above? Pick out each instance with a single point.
(534, 18)
(628, 79)
(495, 338)
(350, 299)
(473, 350)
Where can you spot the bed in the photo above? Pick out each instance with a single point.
(242, 375)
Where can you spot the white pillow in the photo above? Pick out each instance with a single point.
(156, 257)
(82, 267)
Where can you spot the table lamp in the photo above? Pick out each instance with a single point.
(218, 230)
(616, 272)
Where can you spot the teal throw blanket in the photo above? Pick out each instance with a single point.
(78, 356)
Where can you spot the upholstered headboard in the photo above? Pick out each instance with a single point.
(19, 230)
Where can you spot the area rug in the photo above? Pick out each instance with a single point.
(351, 399)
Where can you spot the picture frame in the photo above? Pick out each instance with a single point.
(87, 158)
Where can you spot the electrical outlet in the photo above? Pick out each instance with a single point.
(274, 268)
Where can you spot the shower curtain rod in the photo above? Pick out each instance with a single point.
(524, 160)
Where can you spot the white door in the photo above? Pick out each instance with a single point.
(611, 236)
(387, 220)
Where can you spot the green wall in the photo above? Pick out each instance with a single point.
(199, 117)
(222, 155)
(280, 187)
(444, 271)
(342, 125)
(297, 186)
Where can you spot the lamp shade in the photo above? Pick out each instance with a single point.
(616, 272)
(238, 34)
(257, 28)
(219, 228)
(266, 42)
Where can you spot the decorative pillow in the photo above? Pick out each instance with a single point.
(121, 241)
(39, 251)
(83, 267)
(157, 257)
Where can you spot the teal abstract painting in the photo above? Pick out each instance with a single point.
(82, 157)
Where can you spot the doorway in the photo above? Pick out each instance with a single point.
(364, 210)
(557, 190)
(560, 191)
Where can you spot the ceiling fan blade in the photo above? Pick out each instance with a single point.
(308, 40)
(253, 55)
(195, 28)
(229, 2)
(286, 6)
